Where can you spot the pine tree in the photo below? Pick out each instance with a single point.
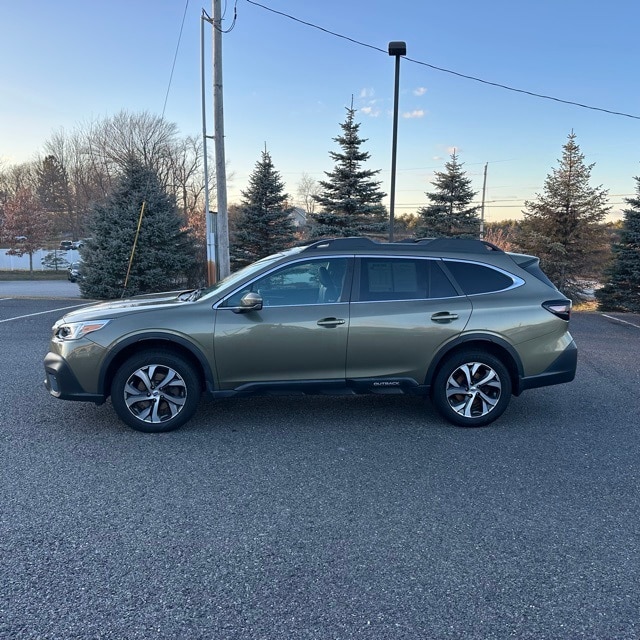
(562, 226)
(55, 260)
(54, 192)
(449, 212)
(264, 224)
(622, 289)
(164, 252)
(350, 201)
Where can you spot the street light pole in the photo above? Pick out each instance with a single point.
(396, 49)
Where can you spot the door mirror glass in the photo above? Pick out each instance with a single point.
(251, 301)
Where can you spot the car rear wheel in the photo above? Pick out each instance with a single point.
(472, 388)
(155, 392)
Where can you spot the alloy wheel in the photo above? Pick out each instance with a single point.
(473, 389)
(155, 393)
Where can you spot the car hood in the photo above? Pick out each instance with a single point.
(116, 308)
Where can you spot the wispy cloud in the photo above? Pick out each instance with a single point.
(372, 112)
(420, 91)
(370, 103)
(416, 113)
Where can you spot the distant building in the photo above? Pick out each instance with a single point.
(299, 217)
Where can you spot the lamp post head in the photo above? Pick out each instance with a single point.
(397, 48)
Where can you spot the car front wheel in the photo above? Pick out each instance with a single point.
(155, 392)
(472, 389)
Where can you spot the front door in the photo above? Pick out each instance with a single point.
(299, 335)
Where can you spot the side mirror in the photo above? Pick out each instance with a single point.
(251, 301)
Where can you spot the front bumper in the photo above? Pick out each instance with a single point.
(61, 382)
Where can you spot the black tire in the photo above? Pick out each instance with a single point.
(471, 388)
(155, 391)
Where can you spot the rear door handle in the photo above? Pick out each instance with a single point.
(330, 322)
(444, 316)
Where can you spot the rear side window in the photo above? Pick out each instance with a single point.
(476, 278)
(403, 279)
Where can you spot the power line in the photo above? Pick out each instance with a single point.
(315, 26)
(233, 22)
(523, 91)
(443, 70)
(175, 57)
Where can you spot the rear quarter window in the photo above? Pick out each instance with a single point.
(476, 278)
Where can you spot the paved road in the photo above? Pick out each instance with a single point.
(322, 518)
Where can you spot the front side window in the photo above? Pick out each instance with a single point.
(403, 279)
(302, 283)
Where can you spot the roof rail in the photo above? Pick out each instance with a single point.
(459, 245)
(470, 245)
(355, 242)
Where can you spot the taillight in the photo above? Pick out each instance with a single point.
(560, 308)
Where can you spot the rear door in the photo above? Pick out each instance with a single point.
(402, 311)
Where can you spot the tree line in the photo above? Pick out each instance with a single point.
(56, 195)
(92, 183)
(564, 225)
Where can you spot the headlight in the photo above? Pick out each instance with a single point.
(76, 330)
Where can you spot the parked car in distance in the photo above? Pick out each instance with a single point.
(459, 321)
(73, 272)
(65, 245)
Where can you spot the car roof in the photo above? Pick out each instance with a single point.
(419, 245)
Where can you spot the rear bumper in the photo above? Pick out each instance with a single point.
(61, 383)
(561, 370)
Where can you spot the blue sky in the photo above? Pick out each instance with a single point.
(286, 85)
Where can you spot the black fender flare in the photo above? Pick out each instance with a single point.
(156, 336)
(515, 366)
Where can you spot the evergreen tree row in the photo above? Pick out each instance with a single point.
(563, 225)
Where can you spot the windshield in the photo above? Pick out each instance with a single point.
(230, 281)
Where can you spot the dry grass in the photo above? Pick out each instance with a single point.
(24, 274)
(589, 305)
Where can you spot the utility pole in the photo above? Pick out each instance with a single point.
(212, 271)
(222, 219)
(484, 190)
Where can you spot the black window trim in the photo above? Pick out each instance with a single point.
(516, 280)
(355, 287)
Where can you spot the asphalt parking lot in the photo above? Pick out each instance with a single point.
(39, 289)
(321, 518)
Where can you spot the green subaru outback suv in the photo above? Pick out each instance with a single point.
(457, 320)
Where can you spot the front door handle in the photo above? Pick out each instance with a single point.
(330, 322)
(444, 316)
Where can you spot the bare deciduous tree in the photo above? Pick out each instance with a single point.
(94, 155)
(307, 189)
(26, 223)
